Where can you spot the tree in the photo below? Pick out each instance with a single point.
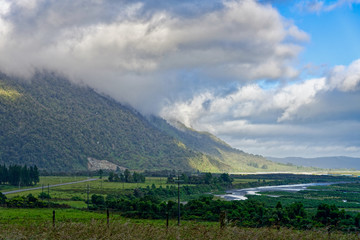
(14, 174)
(170, 180)
(44, 195)
(121, 177)
(101, 172)
(36, 175)
(208, 178)
(4, 177)
(328, 214)
(226, 178)
(184, 178)
(116, 177)
(138, 193)
(98, 200)
(111, 177)
(127, 175)
(357, 220)
(25, 176)
(2, 198)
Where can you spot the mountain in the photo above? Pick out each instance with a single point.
(338, 162)
(60, 126)
(227, 158)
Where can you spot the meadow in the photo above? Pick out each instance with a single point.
(79, 191)
(76, 221)
(96, 229)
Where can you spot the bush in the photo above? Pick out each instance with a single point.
(77, 198)
(97, 200)
(2, 198)
(44, 195)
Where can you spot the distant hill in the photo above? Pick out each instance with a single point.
(59, 126)
(227, 158)
(338, 162)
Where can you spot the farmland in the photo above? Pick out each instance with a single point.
(140, 209)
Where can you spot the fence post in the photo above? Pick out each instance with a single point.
(222, 219)
(107, 217)
(48, 195)
(87, 193)
(53, 218)
(167, 220)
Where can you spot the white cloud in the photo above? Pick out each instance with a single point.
(283, 140)
(28, 4)
(292, 97)
(288, 148)
(249, 101)
(346, 78)
(298, 34)
(134, 54)
(308, 118)
(318, 6)
(4, 7)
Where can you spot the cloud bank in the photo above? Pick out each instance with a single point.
(147, 51)
(228, 67)
(315, 117)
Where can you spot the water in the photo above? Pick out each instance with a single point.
(240, 194)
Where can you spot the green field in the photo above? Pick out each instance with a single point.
(66, 193)
(97, 229)
(45, 181)
(78, 222)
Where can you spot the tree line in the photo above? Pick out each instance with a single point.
(19, 175)
(206, 178)
(247, 213)
(126, 177)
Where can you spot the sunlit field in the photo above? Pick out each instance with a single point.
(65, 194)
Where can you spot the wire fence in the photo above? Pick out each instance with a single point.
(60, 216)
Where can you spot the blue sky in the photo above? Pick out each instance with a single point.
(276, 78)
(334, 33)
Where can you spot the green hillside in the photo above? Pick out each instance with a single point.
(226, 157)
(57, 125)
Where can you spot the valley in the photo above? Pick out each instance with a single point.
(145, 205)
(62, 127)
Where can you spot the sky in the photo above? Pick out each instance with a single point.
(276, 78)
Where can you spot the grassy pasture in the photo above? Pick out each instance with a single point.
(65, 194)
(125, 229)
(75, 223)
(44, 181)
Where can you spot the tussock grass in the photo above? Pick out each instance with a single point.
(128, 230)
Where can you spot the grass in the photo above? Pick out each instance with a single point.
(44, 181)
(97, 229)
(25, 216)
(77, 224)
(64, 194)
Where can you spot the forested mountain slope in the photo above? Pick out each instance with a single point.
(236, 160)
(57, 125)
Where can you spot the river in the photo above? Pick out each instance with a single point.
(240, 194)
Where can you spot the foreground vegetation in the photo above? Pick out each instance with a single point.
(126, 229)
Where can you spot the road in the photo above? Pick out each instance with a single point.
(55, 185)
